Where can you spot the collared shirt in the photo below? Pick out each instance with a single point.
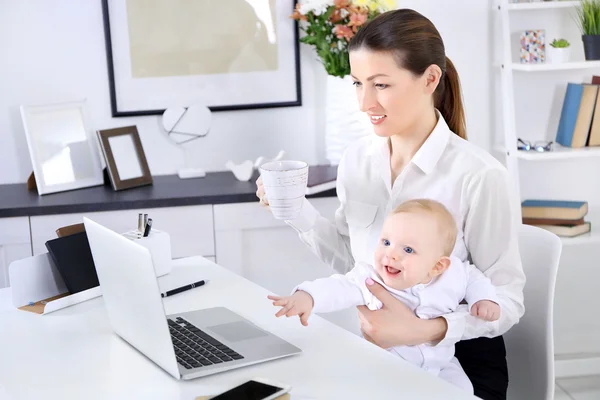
(473, 186)
(440, 296)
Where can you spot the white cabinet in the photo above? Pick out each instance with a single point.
(15, 244)
(190, 227)
(252, 243)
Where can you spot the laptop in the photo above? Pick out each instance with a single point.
(186, 345)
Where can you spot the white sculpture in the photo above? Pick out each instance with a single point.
(184, 125)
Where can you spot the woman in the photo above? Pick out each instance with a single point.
(411, 92)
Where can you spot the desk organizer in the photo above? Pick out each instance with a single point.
(37, 286)
(159, 245)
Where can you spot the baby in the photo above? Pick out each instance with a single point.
(413, 262)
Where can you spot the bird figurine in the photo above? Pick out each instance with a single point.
(262, 160)
(242, 172)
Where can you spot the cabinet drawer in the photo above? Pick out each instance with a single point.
(190, 227)
(14, 230)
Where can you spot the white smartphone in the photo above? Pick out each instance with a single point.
(255, 389)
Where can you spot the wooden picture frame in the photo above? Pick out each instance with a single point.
(126, 162)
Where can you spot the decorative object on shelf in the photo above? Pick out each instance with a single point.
(588, 19)
(540, 146)
(559, 51)
(229, 55)
(261, 160)
(183, 125)
(64, 152)
(125, 158)
(533, 46)
(244, 171)
(328, 26)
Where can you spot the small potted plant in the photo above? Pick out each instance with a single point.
(560, 51)
(588, 19)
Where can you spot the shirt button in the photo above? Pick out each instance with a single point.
(426, 368)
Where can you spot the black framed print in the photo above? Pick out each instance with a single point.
(227, 55)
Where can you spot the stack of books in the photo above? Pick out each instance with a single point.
(562, 217)
(579, 124)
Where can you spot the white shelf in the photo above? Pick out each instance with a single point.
(542, 5)
(555, 67)
(558, 153)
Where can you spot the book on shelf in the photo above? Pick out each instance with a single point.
(553, 221)
(562, 217)
(577, 114)
(568, 230)
(555, 209)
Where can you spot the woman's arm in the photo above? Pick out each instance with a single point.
(491, 236)
(329, 240)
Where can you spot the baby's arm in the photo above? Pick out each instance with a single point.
(336, 292)
(481, 295)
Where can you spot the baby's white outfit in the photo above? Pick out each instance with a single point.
(441, 296)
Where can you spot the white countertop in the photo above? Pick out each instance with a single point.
(73, 353)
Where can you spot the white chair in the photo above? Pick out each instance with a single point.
(530, 343)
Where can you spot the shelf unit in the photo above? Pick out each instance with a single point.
(570, 364)
(558, 153)
(545, 5)
(570, 66)
(508, 68)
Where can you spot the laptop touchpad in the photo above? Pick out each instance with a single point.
(236, 331)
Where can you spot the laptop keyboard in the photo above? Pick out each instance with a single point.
(195, 348)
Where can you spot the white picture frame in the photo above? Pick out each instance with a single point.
(64, 151)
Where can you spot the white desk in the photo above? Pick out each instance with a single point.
(73, 354)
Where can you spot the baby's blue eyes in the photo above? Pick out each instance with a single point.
(407, 249)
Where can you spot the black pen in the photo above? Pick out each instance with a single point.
(183, 288)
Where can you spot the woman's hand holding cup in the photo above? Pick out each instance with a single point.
(284, 184)
(260, 192)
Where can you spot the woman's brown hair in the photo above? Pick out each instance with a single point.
(416, 44)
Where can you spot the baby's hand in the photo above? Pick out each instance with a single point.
(487, 310)
(300, 303)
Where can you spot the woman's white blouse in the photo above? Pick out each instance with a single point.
(473, 185)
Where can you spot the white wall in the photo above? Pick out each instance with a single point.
(52, 51)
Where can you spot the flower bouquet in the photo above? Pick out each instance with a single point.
(330, 24)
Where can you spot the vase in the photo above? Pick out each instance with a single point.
(591, 47)
(559, 55)
(344, 122)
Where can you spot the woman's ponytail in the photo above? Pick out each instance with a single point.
(449, 101)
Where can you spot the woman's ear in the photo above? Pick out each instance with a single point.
(442, 265)
(432, 76)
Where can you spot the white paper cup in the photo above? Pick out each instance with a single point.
(285, 186)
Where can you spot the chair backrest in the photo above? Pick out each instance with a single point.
(530, 343)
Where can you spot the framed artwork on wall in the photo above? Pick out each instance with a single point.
(229, 55)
